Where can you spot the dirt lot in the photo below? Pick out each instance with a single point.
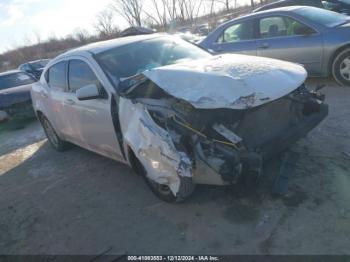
(81, 203)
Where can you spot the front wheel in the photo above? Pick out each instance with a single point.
(164, 192)
(52, 136)
(341, 68)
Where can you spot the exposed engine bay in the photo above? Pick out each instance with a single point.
(219, 145)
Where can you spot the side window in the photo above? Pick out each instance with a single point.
(237, 32)
(56, 76)
(79, 75)
(279, 26)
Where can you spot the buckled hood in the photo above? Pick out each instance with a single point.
(228, 81)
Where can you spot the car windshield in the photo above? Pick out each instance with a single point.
(15, 79)
(131, 59)
(323, 17)
(39, 64)
(345, 1)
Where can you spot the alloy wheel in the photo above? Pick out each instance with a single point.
(345, 68)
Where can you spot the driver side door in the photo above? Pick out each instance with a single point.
(238, 37)
(90, 120)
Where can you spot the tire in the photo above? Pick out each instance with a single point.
(341, 67)
(163, 192)
(57, 143)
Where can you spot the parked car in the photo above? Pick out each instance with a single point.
(201, 30)
(190, 37)
(176, 114)
(136, 30)
(317, 38)
(340, 6)
(34, 68)
(15, 99)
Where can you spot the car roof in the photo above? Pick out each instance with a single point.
(98, 47)
(39, 60)
(284, 9)
(34, 61)
(286, 2)
(11, 72)
(277, 4)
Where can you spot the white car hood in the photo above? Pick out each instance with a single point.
(229, 81)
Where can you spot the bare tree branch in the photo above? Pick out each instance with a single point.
(130, 10)
(105, 24)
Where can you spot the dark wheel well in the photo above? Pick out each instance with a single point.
(39, 114)
(336, 53)
(135, 163)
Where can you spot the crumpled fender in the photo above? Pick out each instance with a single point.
(153, 146)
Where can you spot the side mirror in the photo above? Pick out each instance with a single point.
(88, 92)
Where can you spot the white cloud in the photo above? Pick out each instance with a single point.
(68, 17)
(13, 11)
(13, 15)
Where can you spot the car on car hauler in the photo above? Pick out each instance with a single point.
(172, 111)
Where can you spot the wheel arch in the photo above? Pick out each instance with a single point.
(134, 162)
(39, 114)
(334, 55)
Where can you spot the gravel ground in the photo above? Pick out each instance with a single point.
(77, 202)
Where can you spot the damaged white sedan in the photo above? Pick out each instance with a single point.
(176, 114)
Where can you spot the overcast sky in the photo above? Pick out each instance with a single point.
(22, 20)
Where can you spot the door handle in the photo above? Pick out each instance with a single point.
(264, 46)
(69, 102)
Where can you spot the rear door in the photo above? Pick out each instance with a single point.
(90, 120)
(237, 38)
(285, 38)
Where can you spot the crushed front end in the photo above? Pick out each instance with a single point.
(225, 144)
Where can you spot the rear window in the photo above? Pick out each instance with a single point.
(15, 79)
(321, 16)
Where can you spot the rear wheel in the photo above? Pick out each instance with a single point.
(341, 67)
(55, 141)
(164, 192)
